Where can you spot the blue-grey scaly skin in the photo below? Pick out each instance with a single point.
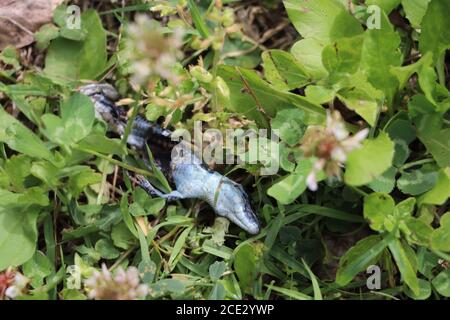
(190, 176)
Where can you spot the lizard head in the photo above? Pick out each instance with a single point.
(233, 203)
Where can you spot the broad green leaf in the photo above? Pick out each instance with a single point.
(359, 95)
(122, 236)
(20, 138)
(324, 20)
(362, 103)
(405, 72)
(377, 206)
(9, 55)
(77, 118)
(370, 161)
(250, 60)
(441, 190)
(106, 249)
(435, 29)
(17, 228)
(364, 253)
(442, 283)
(246, 261)
(165, 286)
(16, 169)
(83, 179)
(343, 56)
(384, 183)
(217, 269)
(253, 97)
(37, 268)
(69, 60)
(404, 265)
(430, 128)
(415, 10)
(404, 208)
(380, 51)
(402, 132)
(218, 291)
(148, 271)
(440, 237)
(319, 94)
(420, 231)
(102, 144)
(152, 207)
(309, 52)
(427, 262)
(291, 186)
(45, 34)
(424, 290)
(438, 144)
(283, 70)
(417, 182)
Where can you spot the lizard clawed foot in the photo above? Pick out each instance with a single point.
(151, 190)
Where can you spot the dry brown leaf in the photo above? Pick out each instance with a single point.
(19, 19)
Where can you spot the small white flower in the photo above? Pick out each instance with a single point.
(331, 146)
(20, 281)
(12, 292)
(123, 285)
(354, 142)
(311, 181)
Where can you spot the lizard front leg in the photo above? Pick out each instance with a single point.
(151, 190)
